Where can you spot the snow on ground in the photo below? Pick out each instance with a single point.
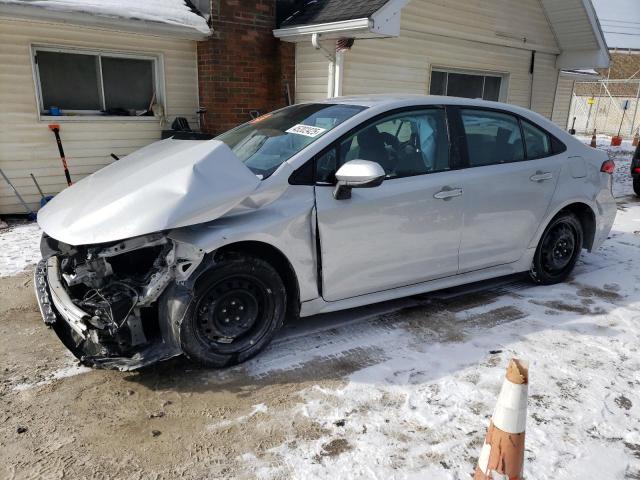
(72, 369)
(421, 381)
(19, 247)
(419, 405)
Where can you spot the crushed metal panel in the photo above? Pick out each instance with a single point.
(166, 185)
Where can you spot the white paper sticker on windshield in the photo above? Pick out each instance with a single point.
(307, 130)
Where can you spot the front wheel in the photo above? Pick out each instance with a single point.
(636, 185)
(558, 250)
(237, 307)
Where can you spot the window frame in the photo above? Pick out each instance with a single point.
(79, 115)
(372, 121)
(557, 145)
(503, 76)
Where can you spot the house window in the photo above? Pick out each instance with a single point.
(80, 82)
(467, 85)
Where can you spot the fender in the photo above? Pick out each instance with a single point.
(286, 224)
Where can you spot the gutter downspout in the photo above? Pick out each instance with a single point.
(532, 73)
(335, 66)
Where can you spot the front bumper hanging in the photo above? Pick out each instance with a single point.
(92, 346)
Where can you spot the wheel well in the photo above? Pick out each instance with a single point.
(277, 260)
(587, 220)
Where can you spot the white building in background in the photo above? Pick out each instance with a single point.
(494, 49)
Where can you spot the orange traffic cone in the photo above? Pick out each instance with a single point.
(502, 455)
(636, 138)
(594, 143)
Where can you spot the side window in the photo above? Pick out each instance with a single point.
(537, 141)
(405, 144)
(326, 166)
(492, 137)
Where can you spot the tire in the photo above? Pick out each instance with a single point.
(237, 307)
(636, 185)
(558, 250)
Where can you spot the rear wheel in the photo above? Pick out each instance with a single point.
(237, 308)
(558, 250)
(636, 185)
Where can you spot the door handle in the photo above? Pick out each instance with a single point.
(541, 176)
(446, 193)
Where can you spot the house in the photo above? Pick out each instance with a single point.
(95, 69)
(494, 49)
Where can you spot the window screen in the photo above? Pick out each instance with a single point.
(438, 83)
(69, 81)
(128, 83)
(492, 137)
(537, 141)
(466, 85)
(83, 82)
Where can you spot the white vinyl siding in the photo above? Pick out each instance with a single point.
(562, 103)
(490, 21)
(312, 73)
(26, 143)
(544, 84)
(473, 36)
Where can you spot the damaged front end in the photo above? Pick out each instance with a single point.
(110, 303)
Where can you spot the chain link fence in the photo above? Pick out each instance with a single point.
(608, 106)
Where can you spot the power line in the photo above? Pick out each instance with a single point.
(618, 20)
(622, 33)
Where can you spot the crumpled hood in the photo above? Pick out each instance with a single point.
(168, 184)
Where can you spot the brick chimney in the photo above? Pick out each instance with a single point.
(243, 67)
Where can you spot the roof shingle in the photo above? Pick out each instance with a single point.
(312, 12)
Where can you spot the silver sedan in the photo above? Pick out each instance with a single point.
(206, 247)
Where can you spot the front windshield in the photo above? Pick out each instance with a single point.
(268, 141)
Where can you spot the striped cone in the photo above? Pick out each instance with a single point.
(502, 455)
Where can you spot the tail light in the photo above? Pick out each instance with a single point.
(608, 167)
(636, 170)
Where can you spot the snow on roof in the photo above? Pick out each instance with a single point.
(176, 13)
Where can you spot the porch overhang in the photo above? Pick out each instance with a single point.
(383, 23)
(578, 34)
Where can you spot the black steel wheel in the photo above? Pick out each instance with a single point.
(237, 307)
(558, 250)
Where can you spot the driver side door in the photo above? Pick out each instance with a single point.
(406, 230)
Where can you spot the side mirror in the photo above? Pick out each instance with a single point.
(357, 174)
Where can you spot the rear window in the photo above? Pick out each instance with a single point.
(268, 141)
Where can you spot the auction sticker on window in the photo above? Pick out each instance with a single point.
(307, 130)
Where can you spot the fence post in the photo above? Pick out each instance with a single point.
(635, 111)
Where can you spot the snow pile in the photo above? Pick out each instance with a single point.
(421, 409)
(19, 248)
(171, 12)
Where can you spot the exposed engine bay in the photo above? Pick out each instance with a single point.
(104, 299)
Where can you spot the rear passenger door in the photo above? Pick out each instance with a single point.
(510, 179)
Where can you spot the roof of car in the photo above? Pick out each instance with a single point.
(391, 99)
